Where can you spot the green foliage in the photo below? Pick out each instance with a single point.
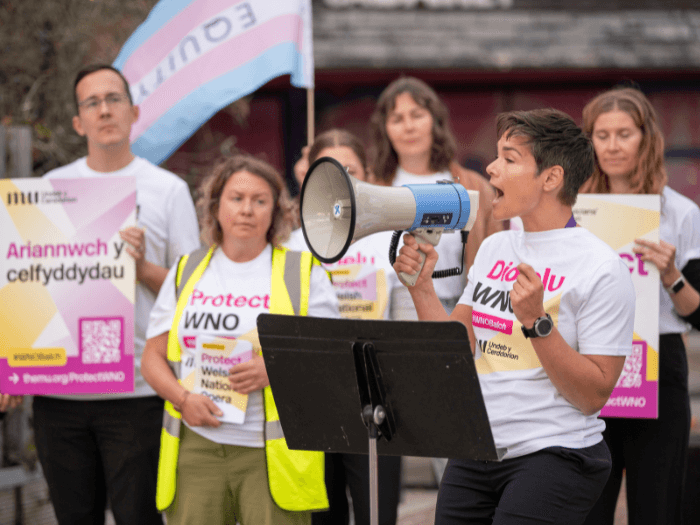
(43, 44)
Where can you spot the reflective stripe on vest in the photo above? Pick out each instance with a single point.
(296, 478)
(273, 430)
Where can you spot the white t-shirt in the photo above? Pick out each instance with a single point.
(590, 296)
(165, 209)
(363, 279)
(226, 302)
(449, 248)
(680, 226)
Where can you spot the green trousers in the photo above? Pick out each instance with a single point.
(221, 484)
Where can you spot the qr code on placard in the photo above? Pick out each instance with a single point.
(100, 340)
(631, 376)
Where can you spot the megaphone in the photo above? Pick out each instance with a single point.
(337, 209)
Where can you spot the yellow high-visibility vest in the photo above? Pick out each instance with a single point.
(295, 478)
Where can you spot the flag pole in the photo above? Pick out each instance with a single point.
(310, 118)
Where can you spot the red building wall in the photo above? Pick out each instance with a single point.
(275, 126)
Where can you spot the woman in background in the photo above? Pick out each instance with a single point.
(363, 280)
(414, 145)
(629, 150)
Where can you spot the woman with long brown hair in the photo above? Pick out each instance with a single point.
(414, 144)
(629, 148)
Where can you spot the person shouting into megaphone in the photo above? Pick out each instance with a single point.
(549, 312)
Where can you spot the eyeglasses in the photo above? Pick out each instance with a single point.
(112, 99)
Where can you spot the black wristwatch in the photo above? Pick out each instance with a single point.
(677, 286)
(542, 328)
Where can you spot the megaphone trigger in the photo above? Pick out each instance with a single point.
(422, 236)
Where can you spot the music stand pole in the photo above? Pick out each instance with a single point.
(373, 477)
(373, 418)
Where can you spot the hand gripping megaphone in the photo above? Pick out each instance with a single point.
(337, 209)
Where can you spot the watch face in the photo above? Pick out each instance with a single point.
(678, 286)
(543, 326)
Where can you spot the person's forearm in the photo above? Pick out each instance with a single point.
(427, 303)
(157, 373)
(151, 276)
(579, 379)
(686, 301)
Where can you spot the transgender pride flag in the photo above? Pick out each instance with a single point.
(190, 58)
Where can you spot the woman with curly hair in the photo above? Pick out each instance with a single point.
(213, 470)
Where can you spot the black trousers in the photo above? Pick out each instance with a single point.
(555, 485)
(94, 450)
(654, 452)
(352, 470)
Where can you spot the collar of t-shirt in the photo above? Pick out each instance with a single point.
(404, 177)
(127, 171)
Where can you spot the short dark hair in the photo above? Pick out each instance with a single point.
(554, 140)
(444, 144)
(94, 68)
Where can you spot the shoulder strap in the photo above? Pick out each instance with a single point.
(185, 285)
(291, 273)
(292, 278)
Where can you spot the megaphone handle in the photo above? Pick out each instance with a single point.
(410, 280)
(422, 235)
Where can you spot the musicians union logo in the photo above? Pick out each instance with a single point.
(19, 198)
(22, 197)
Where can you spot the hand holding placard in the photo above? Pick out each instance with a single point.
(215, 357)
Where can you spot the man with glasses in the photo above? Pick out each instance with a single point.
(95, 447)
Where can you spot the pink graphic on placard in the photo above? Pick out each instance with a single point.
(92, 198)
(73, 378)
(489, 322)
(634, 396)
(99, 295)
(89, 278)
(102, 365)
(109, 221)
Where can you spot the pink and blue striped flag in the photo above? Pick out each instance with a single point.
(190, 58)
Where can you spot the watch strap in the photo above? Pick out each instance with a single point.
(531, 332)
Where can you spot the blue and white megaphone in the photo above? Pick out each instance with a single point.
(337, 209)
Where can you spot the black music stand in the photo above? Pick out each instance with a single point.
(337, 382)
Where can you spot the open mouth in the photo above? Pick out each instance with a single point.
(499, 193)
